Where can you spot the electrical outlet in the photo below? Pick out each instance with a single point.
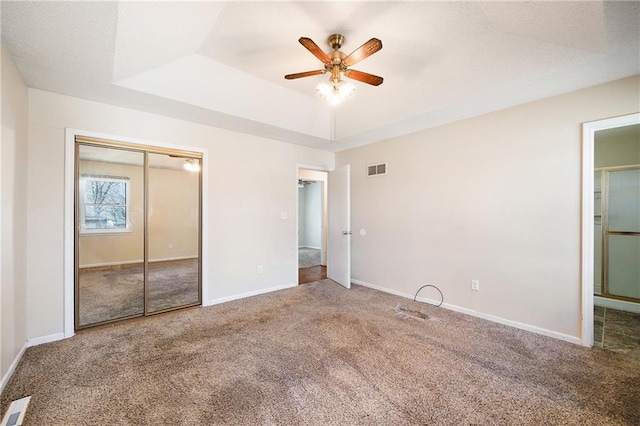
(170, 245)
(475, 285)
(260, 269)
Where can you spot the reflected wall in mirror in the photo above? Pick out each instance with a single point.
(174, 228)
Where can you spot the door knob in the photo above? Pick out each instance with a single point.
(347, 232)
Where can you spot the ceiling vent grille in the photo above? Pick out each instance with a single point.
(376, 169)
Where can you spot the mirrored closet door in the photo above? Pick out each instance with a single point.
(173, 222)
(138, 227)
(110, 228)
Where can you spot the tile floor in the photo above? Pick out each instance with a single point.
(616, 330)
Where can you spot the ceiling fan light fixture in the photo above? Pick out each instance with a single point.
(335, 93)
(191, 165)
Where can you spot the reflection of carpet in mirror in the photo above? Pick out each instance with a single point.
(113, 292)
(308, 257)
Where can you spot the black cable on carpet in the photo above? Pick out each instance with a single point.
(429, 285)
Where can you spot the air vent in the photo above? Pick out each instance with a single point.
(15, 413)
(377, 169)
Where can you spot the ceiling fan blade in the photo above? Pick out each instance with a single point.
(313, 48)
(364, 77)
(362, 52)
(303, 74)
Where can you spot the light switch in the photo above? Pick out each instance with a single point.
(284, 215)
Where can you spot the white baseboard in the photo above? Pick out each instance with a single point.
(130, 262)
(249, 294)
(499, 320)
(27, 344)
(621, 305)
(12, 367)
(45, 339)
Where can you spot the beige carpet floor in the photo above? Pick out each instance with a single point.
(319, 354)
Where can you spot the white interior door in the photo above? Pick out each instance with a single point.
(339, 256)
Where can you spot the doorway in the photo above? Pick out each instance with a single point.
(611, 272)
(312, 227)
(138, 230)
(617, 238)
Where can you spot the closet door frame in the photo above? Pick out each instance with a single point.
(71, 232)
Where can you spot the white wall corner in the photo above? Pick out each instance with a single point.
(249, 294)
(45, 339)
(12, 367)
(471, 312)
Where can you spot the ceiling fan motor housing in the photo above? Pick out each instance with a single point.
(336, 41)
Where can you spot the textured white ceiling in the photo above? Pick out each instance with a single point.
(149, 34)
(222, 63)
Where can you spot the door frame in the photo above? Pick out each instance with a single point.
(325, 236)
(69, 214)
(588, 168)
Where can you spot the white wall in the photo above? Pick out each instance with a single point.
(13, 170)
(252, 180)
(302, 216)
(173, 216)
(494, 198)
(320, 176)
(310, 215)
(313, 213)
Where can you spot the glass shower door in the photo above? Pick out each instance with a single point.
(597, 233)
(622, 262)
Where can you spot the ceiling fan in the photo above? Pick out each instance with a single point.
(191, 164)
(302, 183)
(337, 63)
